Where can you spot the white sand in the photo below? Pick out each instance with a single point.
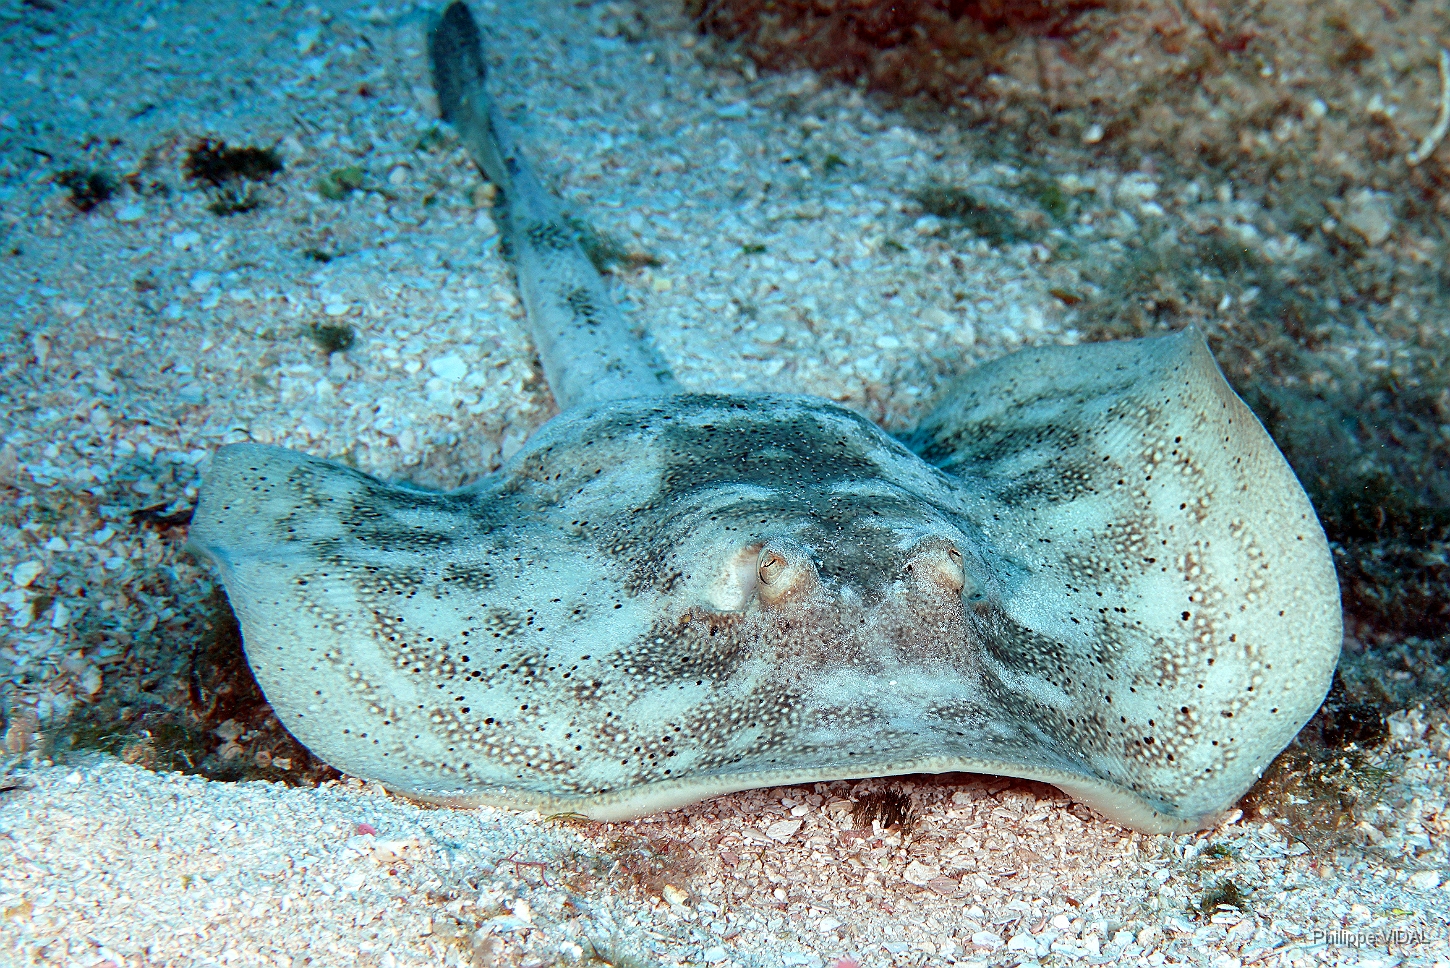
(107, 862)
(150, 331)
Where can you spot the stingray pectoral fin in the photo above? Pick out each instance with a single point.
(323, 566)
(248, 503)
(1171, 615)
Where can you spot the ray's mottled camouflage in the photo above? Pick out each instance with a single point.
(1090, 566)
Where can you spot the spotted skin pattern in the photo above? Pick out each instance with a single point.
(1089, 566)
(1098, 572)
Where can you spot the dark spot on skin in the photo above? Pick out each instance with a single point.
(549, 236)
(581, 303)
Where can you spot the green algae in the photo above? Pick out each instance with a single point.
(333, 337)
(339, 183)
(998, 224)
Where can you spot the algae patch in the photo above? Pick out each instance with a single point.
(991, 220)
(889, 808)
(231, 176)
(333, 337)
(1221, 894)
(604, 251)
(339, 183)
(1320, 788)
(87, 188)
(216, 163)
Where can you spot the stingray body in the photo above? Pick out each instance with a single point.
(1089, 566)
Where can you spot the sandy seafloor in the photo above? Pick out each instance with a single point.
(142, 335)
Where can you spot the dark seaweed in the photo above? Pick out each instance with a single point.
(997, 224)
(333, 339)
(88, 188)
(216, 163)
(1223, 893)
(888, 807)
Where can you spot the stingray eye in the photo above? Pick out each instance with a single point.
(937, 563)
(784, 571)
(772, 565)
(950, 571)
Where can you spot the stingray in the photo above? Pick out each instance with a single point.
(1088, 566)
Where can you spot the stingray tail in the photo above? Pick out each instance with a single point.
(455, 51)
(588, 351)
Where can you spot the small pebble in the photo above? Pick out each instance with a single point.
(25, 573)
(783, 830)
(450, 368)
(1425, 880)
(306, 39)
(770, 334)
(919, 874)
